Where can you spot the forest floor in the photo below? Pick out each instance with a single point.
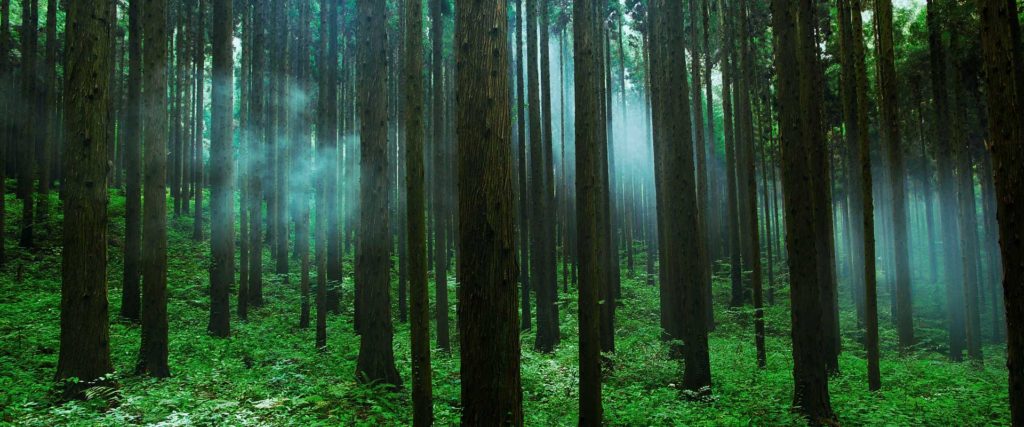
(268, 372)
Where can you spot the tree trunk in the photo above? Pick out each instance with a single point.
(439, 189)
(153, 351)
(84, 333)
(890, 116)
(130, 296)
(488, 333)
(685, 287)
(524, 225)
(26, 159)
(376, 362)
(1004, 77)
(799, 115)
(222, 234)
(197, 162)
(587, 29)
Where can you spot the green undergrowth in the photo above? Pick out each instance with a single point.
(268, 372)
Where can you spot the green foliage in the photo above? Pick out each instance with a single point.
(269, 373)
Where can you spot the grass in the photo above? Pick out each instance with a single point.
(268, 372)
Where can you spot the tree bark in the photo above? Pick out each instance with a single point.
(487, 310)
(376, 362)
(153, 350)
(799, 115)
(222, 233)
(84, 332)
(1004, 77)
(586, 28)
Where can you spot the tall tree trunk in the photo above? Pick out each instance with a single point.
(587, 30)
(685, 287)
(799, 115)
(947, 192)
(6, 126)
(439, 189)
(197, 162)
(1004, 77)
(488, 333)
(26, 165)
(550, 260)
(892, 138)
(84, 333)
(376, 362)
(422, 392)
(130, 296)
(153, 351)
(524, 212)
(222, 234)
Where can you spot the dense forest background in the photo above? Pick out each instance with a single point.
(525, 212)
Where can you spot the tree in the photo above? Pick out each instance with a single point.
(376, 362)
(222, 233)
(422, 394)
(130, 296)
(6, 127)
(524, 212)
(947, 183)
(890, 127)
(799, 114)
(1004, 78)
(487, 300)
(153, 350)
(440, 211)
(49, 113)
(197, 161)
(685, 288)
(26, 159)
(589, 120)
(84, 331)
(856, 116)
(546, 322)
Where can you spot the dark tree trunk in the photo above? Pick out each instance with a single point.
(550, 260)
(1004, 77)
(6, 125)
(546, 322)
(376, 362)
(947, 192)
(685, 288)
(84, 332)
(257, 151)
(856, 116)
(799, 115)
(422, 393)
(589, 119)
(222, 225)
(488, 327)
(440, 191)
(130, 296)
(197, 160)
(153, 351)
(524, 227)
(890, 117)
(26, 165)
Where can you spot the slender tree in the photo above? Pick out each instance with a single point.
(376, 362)
(439, 211)
(197, 160)
(589, 119)
(1004, 77)
(153, 350)
(487, 300)
(685, 287)
(799, 114)
(524, 196)
(84, 331)
(422, 394)
(26, 165)
(890, 115)
(222, 234)
(130, 295)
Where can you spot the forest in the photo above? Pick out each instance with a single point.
(511, 212)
